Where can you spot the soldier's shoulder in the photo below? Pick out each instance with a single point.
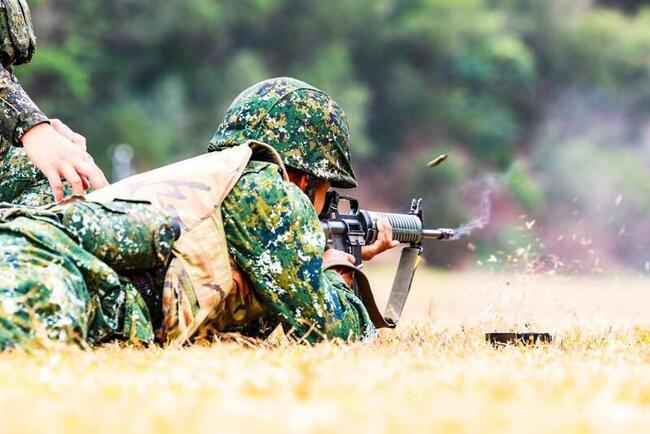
(262, 175)
(263, 182)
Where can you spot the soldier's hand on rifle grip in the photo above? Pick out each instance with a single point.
(384, 240)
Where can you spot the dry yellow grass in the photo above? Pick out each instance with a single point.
(435, 374)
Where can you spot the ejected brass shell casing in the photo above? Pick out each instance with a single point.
(437, 161)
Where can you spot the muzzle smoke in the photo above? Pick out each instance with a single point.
(486, 187)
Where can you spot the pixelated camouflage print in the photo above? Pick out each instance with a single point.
(307, 128)
(18, 113)
(17, 40)
(274, 235)
(21, 183)
(128, 236)
(51, 286)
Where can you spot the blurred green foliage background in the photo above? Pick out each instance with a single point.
(550, 97)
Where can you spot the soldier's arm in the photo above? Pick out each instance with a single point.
(18, 113)
(52, 147)
(274, 235)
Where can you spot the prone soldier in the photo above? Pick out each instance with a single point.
(230, 241)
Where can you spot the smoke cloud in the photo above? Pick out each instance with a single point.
(486, 187)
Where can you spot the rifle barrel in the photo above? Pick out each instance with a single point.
(439, 234)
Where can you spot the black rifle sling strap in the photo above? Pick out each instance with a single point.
(408, 263)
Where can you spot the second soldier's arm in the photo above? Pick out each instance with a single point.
(52, 147)
(18, 112)
(275, 236)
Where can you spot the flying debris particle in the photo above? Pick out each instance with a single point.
(471, 247)
(530, 224)
(618, 200)
(647, 266)
(493, 259)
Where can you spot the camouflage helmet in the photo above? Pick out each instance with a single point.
(307, 128)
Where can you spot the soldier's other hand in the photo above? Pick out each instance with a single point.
(384, 240)
(333, 255)
(62, 155)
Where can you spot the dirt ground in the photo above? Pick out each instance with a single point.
(434, 373)
(594, 302)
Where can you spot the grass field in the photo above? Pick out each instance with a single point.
(434, 374)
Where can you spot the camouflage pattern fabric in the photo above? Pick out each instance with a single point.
(18, 113)
(21, 183)
(275, 237)
(17, 39)
(52, 286)
(307, 128)
(272, 231)
(129, 236)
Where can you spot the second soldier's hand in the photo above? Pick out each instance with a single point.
(60, 153)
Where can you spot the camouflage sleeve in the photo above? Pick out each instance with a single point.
(18, 111)
(275, 236)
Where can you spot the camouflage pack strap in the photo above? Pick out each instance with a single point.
(408, 263)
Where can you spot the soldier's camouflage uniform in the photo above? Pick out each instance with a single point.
(54, 273)
(272, 228)
(53, 283)
(274, 235)
(20, 181)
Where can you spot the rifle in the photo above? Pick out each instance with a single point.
(350, 232)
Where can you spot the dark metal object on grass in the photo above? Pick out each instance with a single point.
(500, 339)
